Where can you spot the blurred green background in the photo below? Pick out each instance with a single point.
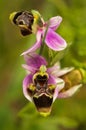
(15, 111)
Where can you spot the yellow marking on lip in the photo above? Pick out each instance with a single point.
(51, 87)
(32, 87)
(41, 74)
(38, 96)
(44, 114)
(12, 16)
(36, 14)
(45, 111)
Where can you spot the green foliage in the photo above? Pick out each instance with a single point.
(15, 113)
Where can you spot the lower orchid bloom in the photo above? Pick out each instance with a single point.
(43, 85)
(34, 23)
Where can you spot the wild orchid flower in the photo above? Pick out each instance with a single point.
(34, 23)
(43, 85)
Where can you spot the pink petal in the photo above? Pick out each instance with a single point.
(35, 61)
(27, 80)
(54, 69)
(69, 92)
(30, 69)
(55, 41)
(36, 45)
(60, 85)
(52, 80)
(55, 94)
(54, 22)
(64, 71)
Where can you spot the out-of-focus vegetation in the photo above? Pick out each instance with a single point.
(67, 114)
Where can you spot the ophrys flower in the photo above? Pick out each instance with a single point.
(32, 22)
(43, 85)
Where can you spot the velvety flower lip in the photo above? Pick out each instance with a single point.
(52, 39)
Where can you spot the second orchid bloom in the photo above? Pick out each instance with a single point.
(34, 23)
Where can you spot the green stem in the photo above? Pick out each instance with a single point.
(59, 55)
(43, 41)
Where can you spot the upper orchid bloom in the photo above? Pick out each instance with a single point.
(46, 30)
(43, 85)
(34, 23)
